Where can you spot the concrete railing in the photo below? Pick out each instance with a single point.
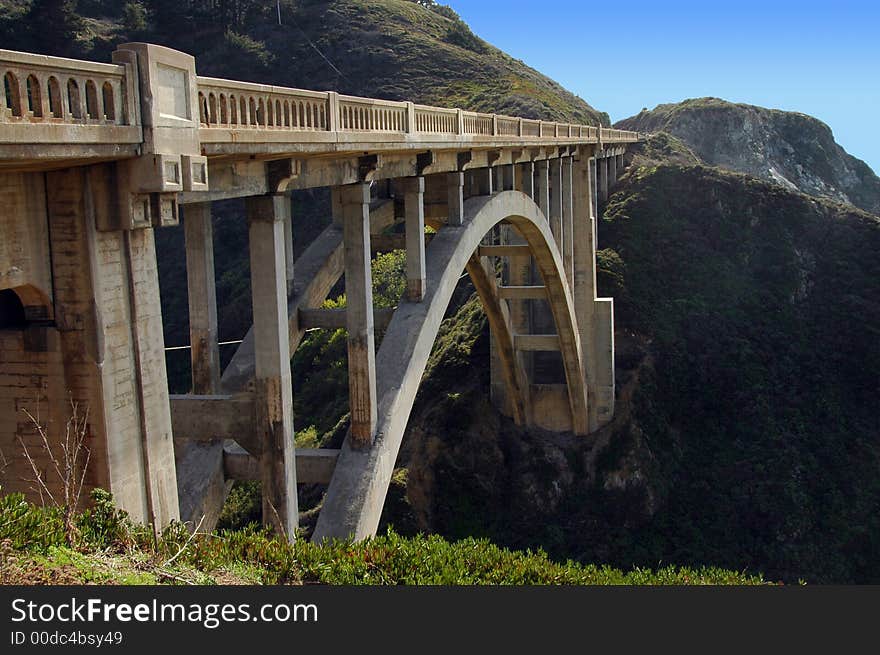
(269, 107)
(245, 105)
(41, 95)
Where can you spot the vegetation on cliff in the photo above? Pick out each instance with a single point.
(110, 550)
(391, 49)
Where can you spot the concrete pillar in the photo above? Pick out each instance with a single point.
(594, 196)
(498, 178)
(595, 316)
(336, 205)
(359, 314)
(542, 187)
(602, 164)
(567, 218)
(287, 219)
(202, 294)
(414, 208)
(106, 350)
(556, 195)
(455, 198)
(612, 171)
(273, 392)
(525, 179)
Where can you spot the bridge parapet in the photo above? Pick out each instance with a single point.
(58, 100)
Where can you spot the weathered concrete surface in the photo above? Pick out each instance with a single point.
(273, 391)
(354, 499)
(202, 296)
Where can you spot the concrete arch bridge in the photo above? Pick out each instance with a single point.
(95, 157)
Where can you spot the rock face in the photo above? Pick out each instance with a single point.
(794, 150)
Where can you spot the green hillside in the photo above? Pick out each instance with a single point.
(391, 49)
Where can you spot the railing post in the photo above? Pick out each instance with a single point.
(333, 111)
(494, 124)
(410, 118)
(519, 127)
(459, 121)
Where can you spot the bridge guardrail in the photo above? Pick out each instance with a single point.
(51, 94)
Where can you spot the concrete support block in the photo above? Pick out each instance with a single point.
(497, 179)
(202, 294)
(359, 317)
(414, 208)
(455, 198)
(273, 392)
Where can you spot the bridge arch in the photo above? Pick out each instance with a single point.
(356, 495)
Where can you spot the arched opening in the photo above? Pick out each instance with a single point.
(74, 98)
(212, 109)
(55, 106)
(406, 347)
(109, 105)
(203, 109)
(11, 93)
(12, 316)
(34, 96)
(92, 100)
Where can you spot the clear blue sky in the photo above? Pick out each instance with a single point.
(819, 58)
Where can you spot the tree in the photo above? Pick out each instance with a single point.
(53, 26)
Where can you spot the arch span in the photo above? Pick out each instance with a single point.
(354, 500)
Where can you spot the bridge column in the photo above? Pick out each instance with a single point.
(542, 186)
(498, 178)
(359, 313)
(595, 316)
(202, 296)
(567, 218)
(525, 180)
(414, 208)
(594, 193)
(602, 174)
(556, 195)
(273, 392)
(612, 171)
(455, 198)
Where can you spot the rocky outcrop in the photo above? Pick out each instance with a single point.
(793, 150)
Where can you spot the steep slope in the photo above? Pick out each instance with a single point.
(391, 49)
(746, 434)
(794, 150)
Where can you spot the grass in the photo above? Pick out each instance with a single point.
(112, 550)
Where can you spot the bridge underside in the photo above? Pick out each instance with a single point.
(86, 175)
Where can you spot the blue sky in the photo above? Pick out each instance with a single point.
(819, 58)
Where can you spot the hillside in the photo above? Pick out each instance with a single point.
(791, 149)
(748, 366)
(390, 49)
